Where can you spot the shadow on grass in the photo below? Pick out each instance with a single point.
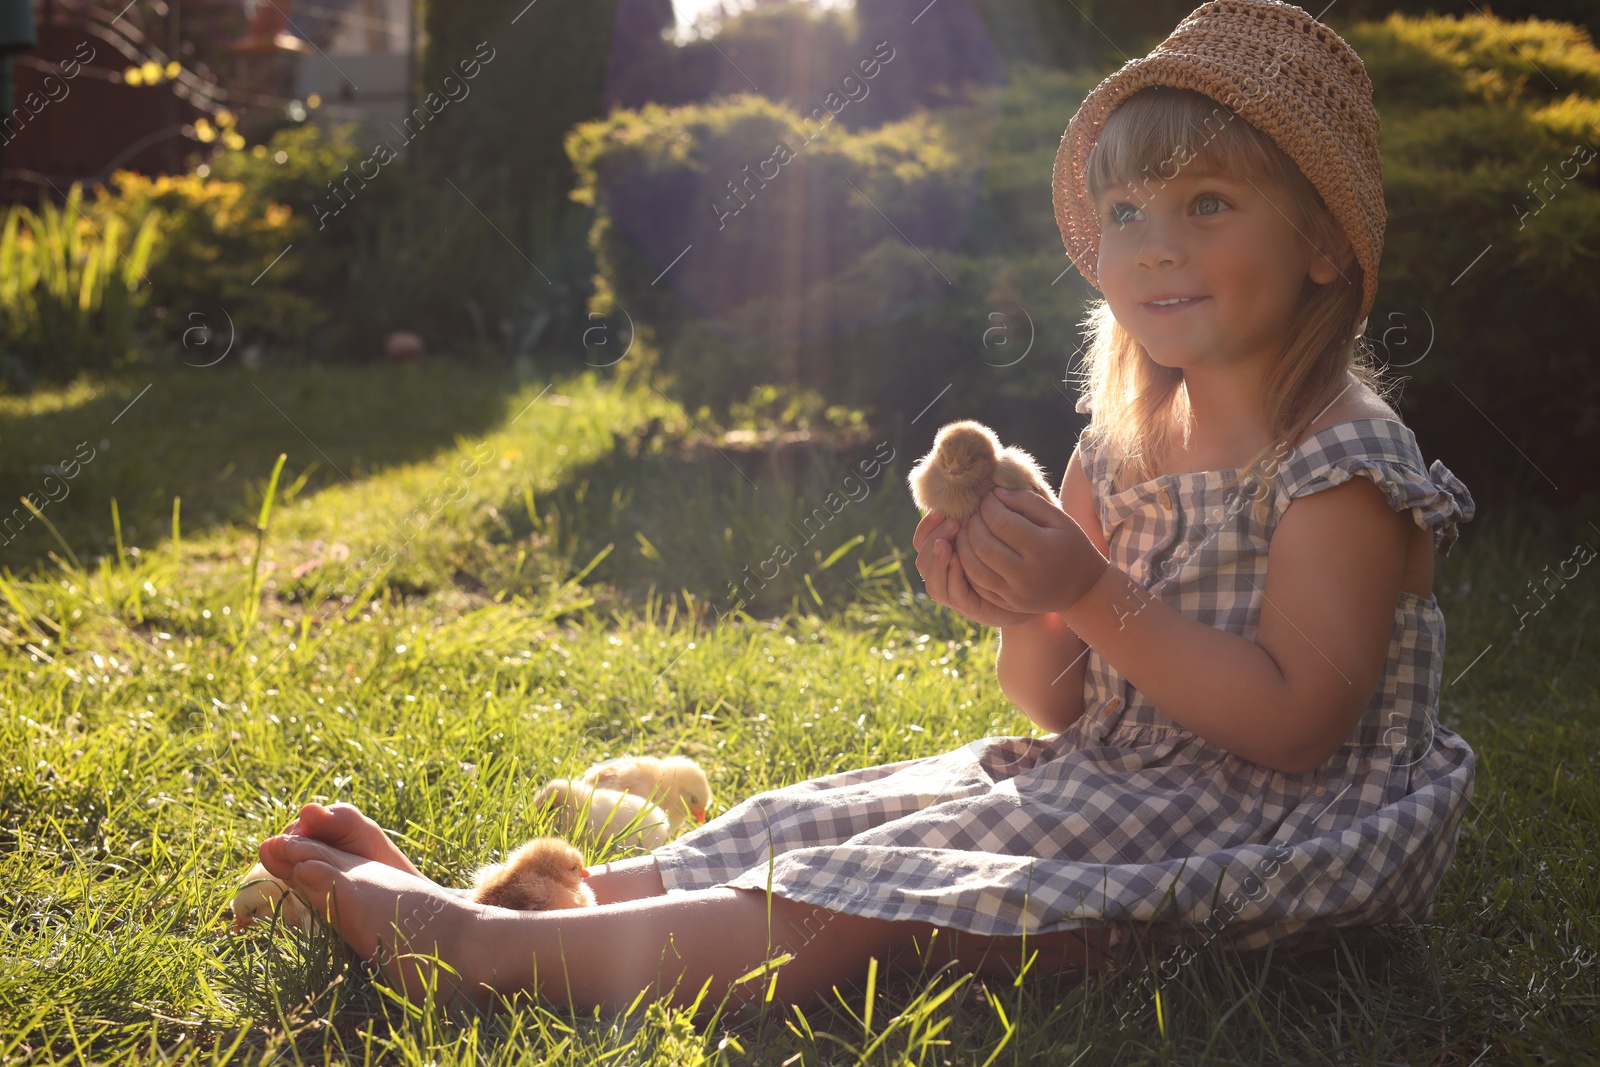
(765, 525)
(211, 437)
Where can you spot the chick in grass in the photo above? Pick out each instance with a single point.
(675, 783)
(599, 817)
(546, 874)
(965, 463)
(259, 894)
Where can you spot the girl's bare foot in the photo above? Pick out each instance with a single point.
(417, 934)
(344, 827)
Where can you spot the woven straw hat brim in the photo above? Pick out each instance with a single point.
(1284, 73)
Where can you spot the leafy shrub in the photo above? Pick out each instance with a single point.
(1484, 157)
(222, 234)
(463, 274)
(217, 237)
(995, 342)
(1434, 61)
(69, 289)
(742, 183)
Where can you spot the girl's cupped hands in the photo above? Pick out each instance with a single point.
(944, 577)
(1024, 554)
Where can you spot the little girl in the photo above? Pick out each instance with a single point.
(1228, 624)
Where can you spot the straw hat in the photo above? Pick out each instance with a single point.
(1284, 73)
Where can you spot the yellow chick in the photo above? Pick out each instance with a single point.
(599, 816)
(546, 874)
(259, 894)
(675, 783)
(965, 463)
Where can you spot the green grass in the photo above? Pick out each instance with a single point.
(166, 702)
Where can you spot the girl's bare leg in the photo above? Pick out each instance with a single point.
(630, 879)
(637, 939)
(601, 956)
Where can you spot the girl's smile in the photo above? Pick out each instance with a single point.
(1166, 305)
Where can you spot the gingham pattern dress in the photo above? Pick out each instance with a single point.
(1125, 816)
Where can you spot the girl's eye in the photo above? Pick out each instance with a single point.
(1123, 212)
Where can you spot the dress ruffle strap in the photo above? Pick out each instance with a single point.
(1437, 500)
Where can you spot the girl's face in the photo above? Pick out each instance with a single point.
(1226, 243)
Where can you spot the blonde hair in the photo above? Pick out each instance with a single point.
(1133, 398)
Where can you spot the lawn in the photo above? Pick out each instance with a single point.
(460, 583)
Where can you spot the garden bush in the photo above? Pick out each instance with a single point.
(1489, 149)
(177, 264)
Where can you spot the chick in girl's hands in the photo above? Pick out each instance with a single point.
(676, 783)
(546, 874)
(1027, 557)
(966, 462)
(601, 816)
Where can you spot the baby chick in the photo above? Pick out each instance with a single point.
(965, 463)
(604, 815)
(546, 874)
(257, 896)
(676, 783)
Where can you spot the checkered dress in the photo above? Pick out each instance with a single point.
(1125, 816)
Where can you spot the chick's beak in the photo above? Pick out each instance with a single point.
(699, 814)
(583, 872)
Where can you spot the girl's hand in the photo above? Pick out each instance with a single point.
(1024, 554)
(945, 579)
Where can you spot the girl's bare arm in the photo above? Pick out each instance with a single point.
(1041, 664)
(1292, 696)
(1041, 668)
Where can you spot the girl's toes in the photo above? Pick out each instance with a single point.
(339, 824)
(344, 827)
(310, 815)
(314, 880)
(272, 859)
(280, 854)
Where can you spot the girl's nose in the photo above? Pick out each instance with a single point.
(1159, 247)
(1163, 254)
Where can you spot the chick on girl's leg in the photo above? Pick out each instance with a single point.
(601, 956)
(344, 827)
